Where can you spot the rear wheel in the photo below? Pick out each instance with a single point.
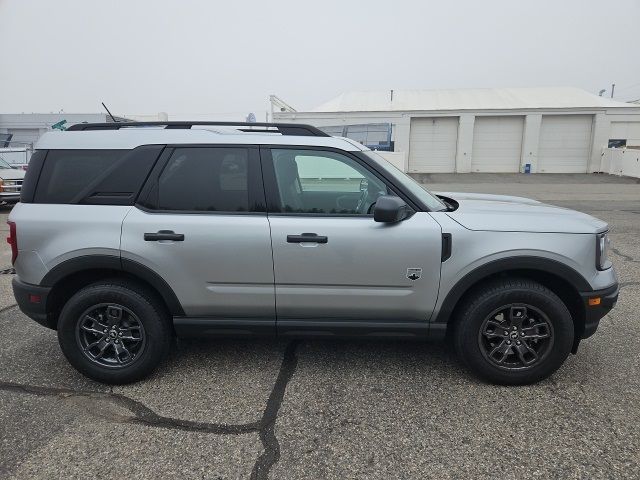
(114, 332)
(513, 332)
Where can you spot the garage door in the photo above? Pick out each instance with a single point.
(432, 145)
(565, 143)
(497, 144)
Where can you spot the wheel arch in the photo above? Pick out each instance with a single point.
(69, 276)
(561, 279)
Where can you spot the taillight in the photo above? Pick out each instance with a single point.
(12, 240)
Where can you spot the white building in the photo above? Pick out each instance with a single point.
(547, 130)
(26, 128)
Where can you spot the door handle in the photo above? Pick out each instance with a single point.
(307, 238)
(164, 235)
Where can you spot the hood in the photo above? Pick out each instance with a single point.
(504, 213)
(11, 174)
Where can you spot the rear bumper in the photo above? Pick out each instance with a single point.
(32, 300)
(593, 313)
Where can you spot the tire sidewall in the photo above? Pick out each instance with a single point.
(473, 318)
(152, 320)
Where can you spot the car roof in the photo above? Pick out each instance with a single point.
(128, 138)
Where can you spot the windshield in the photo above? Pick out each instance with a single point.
(428, 198)
(4, 164)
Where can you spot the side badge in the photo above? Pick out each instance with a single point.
(414, 273)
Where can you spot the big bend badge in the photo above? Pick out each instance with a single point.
(414, 273)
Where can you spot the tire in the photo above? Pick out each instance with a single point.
(115, 332)
(513, 331)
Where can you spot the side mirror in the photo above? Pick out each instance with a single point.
(390, 209)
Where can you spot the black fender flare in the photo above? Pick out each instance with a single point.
(541, 264)
(113, 262)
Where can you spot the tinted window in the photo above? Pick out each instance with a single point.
(120, 183)
(205, 179)
(311, 181)
(31, 176)
(67, 172)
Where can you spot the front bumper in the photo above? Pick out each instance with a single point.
(10, 197)
(32, 300)
(593, 313)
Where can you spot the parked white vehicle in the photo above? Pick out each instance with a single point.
(16, 157)
(10, 182)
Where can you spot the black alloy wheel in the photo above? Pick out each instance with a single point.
(115, 331)
(513, 331)
(110, 335)
(516, 336)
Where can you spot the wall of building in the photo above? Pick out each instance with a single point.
(604, 123)
(28, 127)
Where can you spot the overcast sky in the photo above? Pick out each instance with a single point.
(226, 57)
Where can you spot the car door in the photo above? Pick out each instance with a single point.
(335, 268)
(201, 225)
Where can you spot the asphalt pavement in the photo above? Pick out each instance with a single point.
(314, 409)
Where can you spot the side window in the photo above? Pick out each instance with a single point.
(66, 173)
(316, 181)
(206, 180)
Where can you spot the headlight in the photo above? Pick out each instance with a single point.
(602, 251)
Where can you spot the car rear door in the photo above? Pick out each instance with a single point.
(201, 224)
(336, 269)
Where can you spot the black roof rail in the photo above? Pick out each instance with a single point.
(291, 129)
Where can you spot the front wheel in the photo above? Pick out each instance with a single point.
(114, 332)
(513, 332)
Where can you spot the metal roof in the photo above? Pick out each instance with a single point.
(468, 99)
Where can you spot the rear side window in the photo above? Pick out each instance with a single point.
(208, 179)
(66, 172)
(98, 177)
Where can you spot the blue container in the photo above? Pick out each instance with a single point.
(527, 168)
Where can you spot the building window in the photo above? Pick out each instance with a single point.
(617, 142)
(376, 136)
(334, 131)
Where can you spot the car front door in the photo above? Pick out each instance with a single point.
(336, 269)
(201, 224)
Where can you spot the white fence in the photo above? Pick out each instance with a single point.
(621, 161)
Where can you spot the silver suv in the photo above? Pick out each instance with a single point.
(130, 234)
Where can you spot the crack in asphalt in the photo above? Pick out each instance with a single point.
(628, 258)
(628, 284)
(142, 415)
(271, 453)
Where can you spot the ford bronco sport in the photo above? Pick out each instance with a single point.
(130, 234)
